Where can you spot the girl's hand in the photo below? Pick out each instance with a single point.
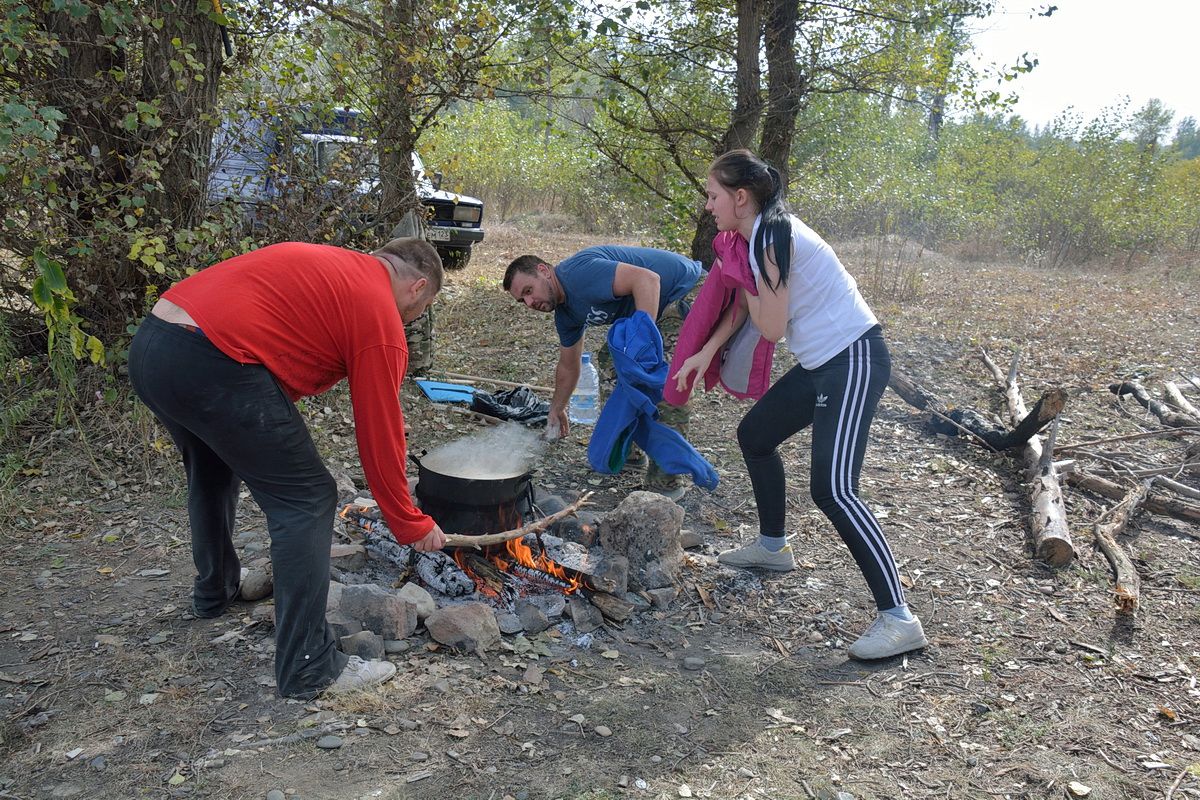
(692, 369)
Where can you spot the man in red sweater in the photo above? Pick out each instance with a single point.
(220, 361)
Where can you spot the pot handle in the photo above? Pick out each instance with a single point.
(416, 460)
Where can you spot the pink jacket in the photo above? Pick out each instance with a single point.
(743, 366)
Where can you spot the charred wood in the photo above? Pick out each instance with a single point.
(1172, 419)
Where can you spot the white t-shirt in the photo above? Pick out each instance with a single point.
(825, 311)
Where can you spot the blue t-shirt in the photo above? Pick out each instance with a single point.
(587, 279)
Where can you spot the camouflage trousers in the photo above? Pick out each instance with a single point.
(419, 334)
(674, 417)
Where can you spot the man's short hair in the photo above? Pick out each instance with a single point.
(419, 257)
(526, 265)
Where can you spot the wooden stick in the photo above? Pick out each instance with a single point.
(1174, 469)
(475, 415)
(1129, 437)
(1172, 419)
(1127, 588)
(1166, 506)
(479, 542)
(1051, 534)
(1178, 488)
(1179, 401)
(455, 377)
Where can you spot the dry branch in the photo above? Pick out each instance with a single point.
(1179, 401)
(478, 542)
(1172, 419)
(1178, 488)
(456, 377)
(1051, 535)
(1127, 588)
(1165, 506)
(1129, 437)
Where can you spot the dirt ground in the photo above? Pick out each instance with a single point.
(1032, 686)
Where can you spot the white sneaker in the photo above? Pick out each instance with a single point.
(888, 636)
(755, 555)
(360, 674)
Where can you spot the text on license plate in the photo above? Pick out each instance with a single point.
(437, 234)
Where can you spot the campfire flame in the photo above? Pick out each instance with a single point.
(516, 558)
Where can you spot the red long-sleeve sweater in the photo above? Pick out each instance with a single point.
(312, 315)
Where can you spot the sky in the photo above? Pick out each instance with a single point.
(1092, 54)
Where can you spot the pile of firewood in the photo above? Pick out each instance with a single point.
(1137, 482)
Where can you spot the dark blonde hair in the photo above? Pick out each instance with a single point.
(418, 257)
(741, 169)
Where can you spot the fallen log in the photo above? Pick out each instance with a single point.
(1172, 419)
(1127, 586)
(1179, 401)
(1164, 506)
(1178, 488)
(949, 421)
(1051, 534)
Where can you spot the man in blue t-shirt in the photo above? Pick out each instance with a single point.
(598, 286)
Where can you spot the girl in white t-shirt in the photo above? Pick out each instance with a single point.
(805, 294)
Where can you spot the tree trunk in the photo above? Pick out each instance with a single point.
(743, 123)
(785, 87)
(397, 133)
(1127, 587)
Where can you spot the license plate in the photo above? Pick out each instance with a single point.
(437, 234)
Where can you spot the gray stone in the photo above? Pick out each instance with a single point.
(636, 600)
(533, 619)
(614, 573)
(341, 625)
(552, 605)
(329, 742)
(333, 601)
(275, 794)
(584, 615)
(661, 573)
(509, 623)
(364, 644)
(645, 529)
(418, 597)
(693, 663)
(263, 612)
(256, 585)
(689, 539)
(379, 610)
(98, 763)
(469, 626)
(348, 557)
(662, 598)
(394, 646)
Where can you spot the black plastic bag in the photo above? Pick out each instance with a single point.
(519, 405)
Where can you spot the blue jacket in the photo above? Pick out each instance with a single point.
(630, 415)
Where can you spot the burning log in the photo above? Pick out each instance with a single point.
(1051, 535)
(1128, 585)
(1172, 419)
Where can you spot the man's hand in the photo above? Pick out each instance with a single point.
(558, 424)
(694, 367)
(434, 540)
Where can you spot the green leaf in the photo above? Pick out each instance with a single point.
(51, 270)
(42, 297)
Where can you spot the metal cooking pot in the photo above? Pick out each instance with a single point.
(470, 491)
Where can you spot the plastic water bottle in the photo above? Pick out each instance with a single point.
(584, 408)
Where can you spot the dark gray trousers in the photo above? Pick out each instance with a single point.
(232, 422)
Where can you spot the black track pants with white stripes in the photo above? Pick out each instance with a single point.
(838, 399)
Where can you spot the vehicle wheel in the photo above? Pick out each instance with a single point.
(454, 258)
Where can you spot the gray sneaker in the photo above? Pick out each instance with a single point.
(360, 674)
(756, 556)
(888, 636)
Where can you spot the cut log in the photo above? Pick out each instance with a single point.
(1172, 419)
(1051, 534)
(1179, 401)
(611, 606)
(1127, 588)
(1165, 506)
